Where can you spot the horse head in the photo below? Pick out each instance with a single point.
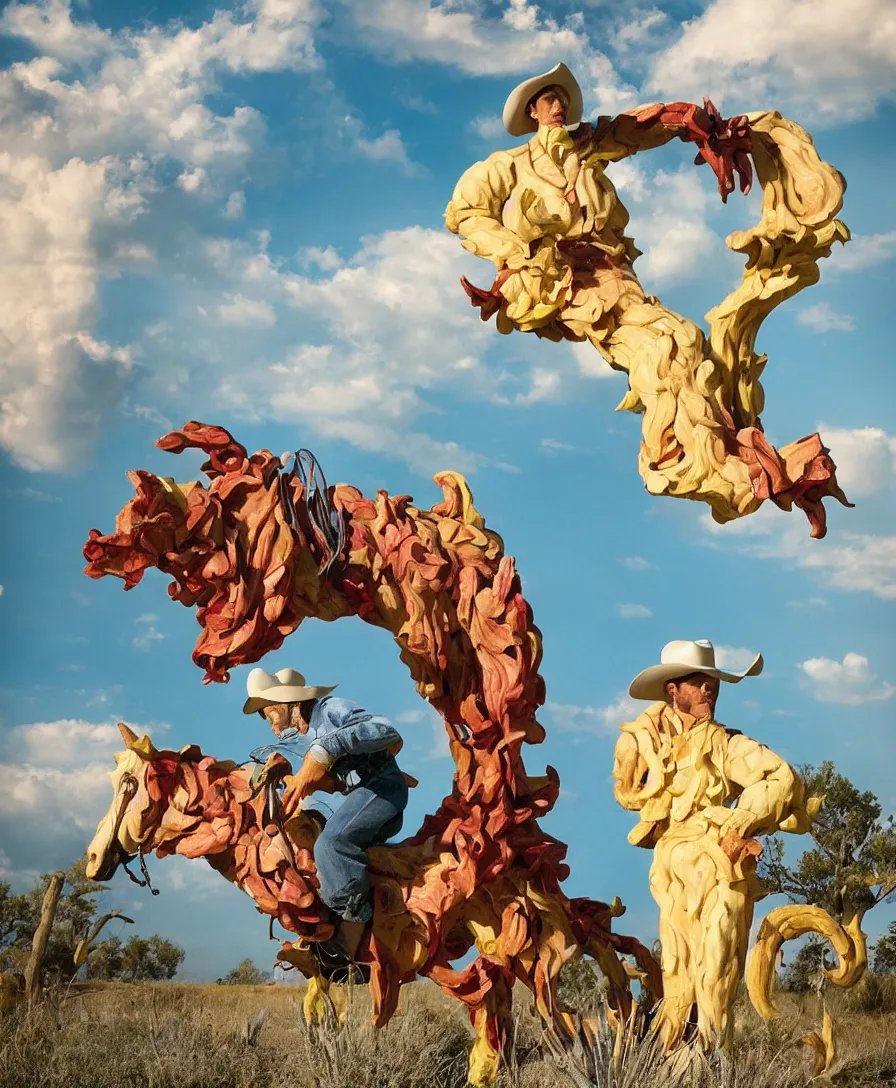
(135, 812)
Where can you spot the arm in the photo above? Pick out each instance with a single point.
(724, 144)
(362, 734)
(474, 211)
(771, 798)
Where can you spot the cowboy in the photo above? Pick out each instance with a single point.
(704, 792)
(549, 218)
(352, 752)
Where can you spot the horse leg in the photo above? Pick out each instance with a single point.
(491, 1022)
(324, 999)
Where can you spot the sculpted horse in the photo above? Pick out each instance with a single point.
(250, 553)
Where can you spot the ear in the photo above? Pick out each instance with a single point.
(144, 746)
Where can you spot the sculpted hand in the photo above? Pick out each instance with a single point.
(738, 848)
(312, 776)
(488, 302)
(725, 144)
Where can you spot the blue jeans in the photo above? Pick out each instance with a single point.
(370, 815)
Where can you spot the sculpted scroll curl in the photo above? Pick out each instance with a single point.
(550, 219)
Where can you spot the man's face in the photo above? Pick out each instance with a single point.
(695, 694)
(280, 718)
(549, 109)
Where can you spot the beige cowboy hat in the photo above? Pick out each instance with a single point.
(286, 686)
(516, 114)
(680, 659)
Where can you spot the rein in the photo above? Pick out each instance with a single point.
(129, 787)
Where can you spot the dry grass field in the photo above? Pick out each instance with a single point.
(190, 1036)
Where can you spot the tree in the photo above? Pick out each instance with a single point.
(852, 865)
(76, 928)
(245, 974)
(884, 962)
(150, 959)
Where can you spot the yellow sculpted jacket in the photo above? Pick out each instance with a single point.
(682, 781)
(516, 205)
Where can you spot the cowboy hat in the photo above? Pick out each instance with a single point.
(680, 659)
(516, 113)
(286, 686)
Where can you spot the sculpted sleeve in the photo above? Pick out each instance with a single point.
(773, 798)
(475, 210)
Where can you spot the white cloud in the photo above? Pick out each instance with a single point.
(859, 552)
(148, 632)
(864, 251)
(247, 312)
(389, 147)
(821, 59)
(865, 458)
(488, 126)
(552, 445)
(57, 781)
(734, 658)
(636, 562)
(809, 604)
(822, 317)
(235, 208)
(633, 611)
(590, 362)
(569, 718)
(325, 258)
(395, 327)
(850, 681)
(668, 221)
(88, 130)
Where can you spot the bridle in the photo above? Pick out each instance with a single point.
(128, 787)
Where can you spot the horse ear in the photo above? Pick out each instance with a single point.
(142, 746)
(127, 734)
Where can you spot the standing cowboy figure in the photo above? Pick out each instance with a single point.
(703, 793)
(353, 752)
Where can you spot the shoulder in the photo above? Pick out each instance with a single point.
(333, 709)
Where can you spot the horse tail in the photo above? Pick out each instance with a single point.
(801, 198)
(794, 920)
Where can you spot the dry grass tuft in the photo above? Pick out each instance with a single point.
(182, 1036)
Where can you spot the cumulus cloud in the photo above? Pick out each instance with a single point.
(56, 777)
(239, 310)
(823, 60)
(850, 681)
(668, 221)
(859, 552)
(394, 327)
(88, 128)
(864, 251)
(734, 658)
(822, 317)
(601, 720)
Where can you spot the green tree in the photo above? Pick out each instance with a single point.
(245, 974)
(75, 922)
(104, 961)
(884, 953)
(852, 864)
(150, 959)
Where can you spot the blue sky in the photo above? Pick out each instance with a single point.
(234, 214)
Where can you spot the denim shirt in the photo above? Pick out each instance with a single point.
(347, 739)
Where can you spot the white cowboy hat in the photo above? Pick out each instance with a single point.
(516, 115)
(680, 659)
(286, 686)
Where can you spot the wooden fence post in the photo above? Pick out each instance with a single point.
(42, 937)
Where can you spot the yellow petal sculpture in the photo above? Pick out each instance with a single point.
(703, 792)
(549, 218)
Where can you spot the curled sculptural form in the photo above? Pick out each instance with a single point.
(550, 219)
